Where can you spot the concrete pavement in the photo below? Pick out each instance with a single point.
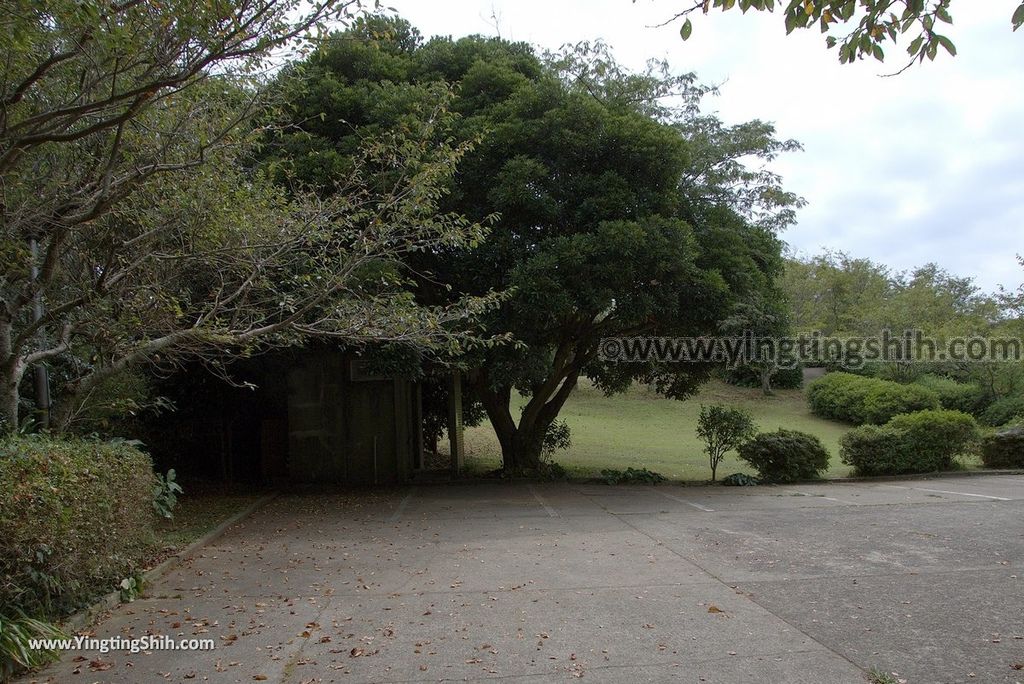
(552, 582)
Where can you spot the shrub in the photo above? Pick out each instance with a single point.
(885, 399)
(832, 395)
(873, 450)
(955, 396)
(856, 399)
(739, 480)
(1004, 449)
(631, 476)
(784, 378)
(1003, 411)
(920, 442)
(75, 518)
(723, 429)
(785, 455)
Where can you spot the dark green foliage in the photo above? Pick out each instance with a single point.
(876, 450)
(739, 480)
(558, 437)
(955, 396)
(786, 455)
(858, 400)
(921, 442)
(165, 494)
(631, 476)
(549, 470)
(75, 518)
(748, 376)
(1004, 449)
(16, 631)
(1003, 411)
(723, 429)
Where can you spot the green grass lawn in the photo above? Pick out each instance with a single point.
(642, 430)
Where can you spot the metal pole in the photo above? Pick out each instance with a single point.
(41, 375)
(375, 460)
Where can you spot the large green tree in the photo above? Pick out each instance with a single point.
(616, 208)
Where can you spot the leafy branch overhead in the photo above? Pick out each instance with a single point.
(858, 28)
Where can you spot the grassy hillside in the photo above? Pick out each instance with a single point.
(641, 429)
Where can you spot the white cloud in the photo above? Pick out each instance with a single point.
(921, 167)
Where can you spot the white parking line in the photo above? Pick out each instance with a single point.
(980, 496)
(544, 504)
(816, 496)
(944, 491)
(397, 515)
(688, 503)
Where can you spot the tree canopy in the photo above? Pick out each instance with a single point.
(133, 226)
(613, 209)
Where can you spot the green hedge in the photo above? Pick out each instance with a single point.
(859, 400)
(1003, 411)
(956, 396)
(1004, 449)
(75, 519)
(921, 442)
(785, 455)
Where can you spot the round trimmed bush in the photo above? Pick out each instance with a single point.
(1004, 449)
(920, 442)
(873, 450)
(834, 394)
(786, 455)
(886, 399)
(76, 516)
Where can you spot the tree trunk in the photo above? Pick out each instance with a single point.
(521, 444)
(8, 406)
(766, 381)
(8, 380)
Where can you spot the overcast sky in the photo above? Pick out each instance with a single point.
(926, 166)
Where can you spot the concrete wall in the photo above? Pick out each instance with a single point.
(349, 427)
